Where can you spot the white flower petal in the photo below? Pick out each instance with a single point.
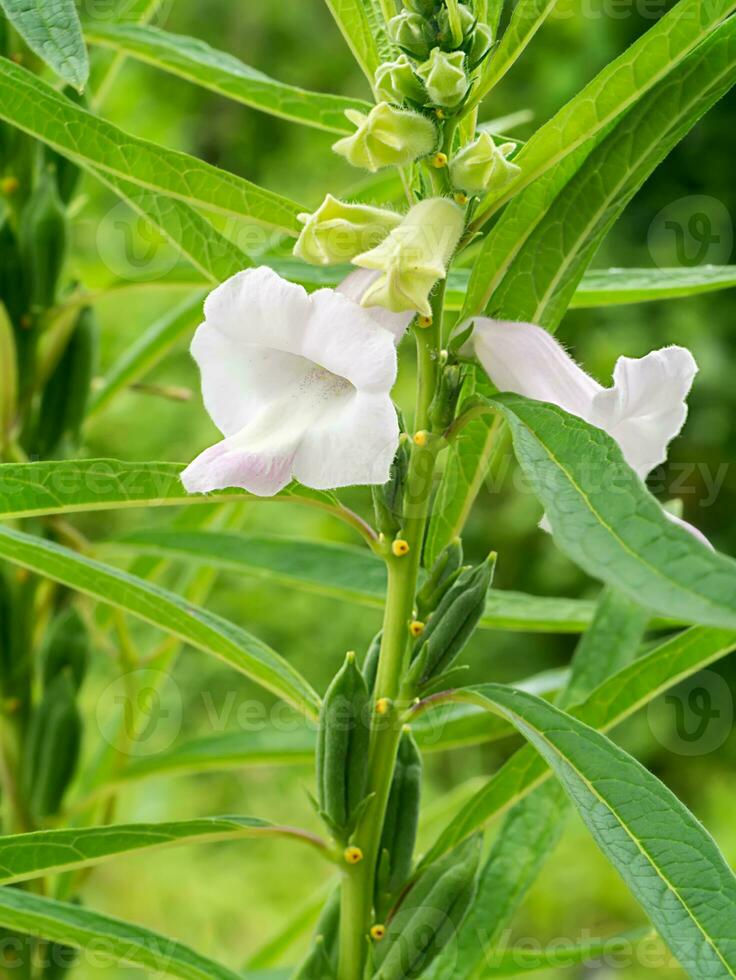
(524, 359)
(355, 445)
(645, 409)
(227, 465)
(691, 528)
(356, 285)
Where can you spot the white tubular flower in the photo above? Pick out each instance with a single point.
(299, 385)
(643, 411)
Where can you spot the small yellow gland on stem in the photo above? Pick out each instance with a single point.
(400, 548)
(439, 160)
(353, 855)
(383, 706)
(461, 199)
(421, 438)
(9, 185)
(425, 322)
(416, 627)
(378, 931)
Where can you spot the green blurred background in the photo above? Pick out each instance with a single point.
(227, 900)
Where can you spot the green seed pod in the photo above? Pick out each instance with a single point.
(412, 33)
(342, 749)
(388, 500)
(399, 833)
(65, 397)
(51, 750)
(370, 664)
(452, 623)
(430, 914)
(444, 404)
(443, 573)
(66, 647)
(44, 239)
(12, 289)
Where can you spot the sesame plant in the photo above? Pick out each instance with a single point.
(455, 265)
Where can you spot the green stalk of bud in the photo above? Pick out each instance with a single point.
(400, 824)
(397, 82)
(442, 575)
(452, 624)
(412, 33)
(444, 78)
(338, 231)
(430, 914)
(342, 749)
(387, 137)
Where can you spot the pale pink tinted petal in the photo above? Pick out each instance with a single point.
(225, 465)
(645, 409)
(356, 285)
(355, 445)
(524, 359)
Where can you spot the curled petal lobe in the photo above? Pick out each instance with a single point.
(357, 284)
(299, 385)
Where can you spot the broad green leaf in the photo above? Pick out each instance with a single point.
(192, 234)
(70, 925)
(540, 282)
(145, 352)
(52, 30)
(362, 27)
(613, 287)
(604, 518)
(666, 857)
(26, 856)
(33, 106)
(526, 20)
(533, 827)
(517, 961)
(608, 705)
(71, 486)
(559, 148)
(166, 611)
(222, 73)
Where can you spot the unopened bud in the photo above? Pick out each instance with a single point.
(387, 137)
(414, 256)
(454, 32)
(480, 45)
(444, 77)
(411, 32)
(396, 81)
(338, 231)
(482, 166)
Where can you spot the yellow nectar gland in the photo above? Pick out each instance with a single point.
(378, 932)
(353, 855)
(400, 548)
(424, 322)
(421, 437)
(461, 199)
(416, 628)
(383, 706)
(440, 113)
(9, 185)
(439, 160)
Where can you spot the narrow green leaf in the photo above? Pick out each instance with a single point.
(71, 925)
(191, 233)
(560, 147)
(52, 30)
(71, 486)
(541, 281)
(607, 522)
(197, 62)
(608, 705)
(33, 106)
(145, 352)
(668, 860)
(26, 856)
(8, 378)
(166, 611)
(614, 287)
(363, 29)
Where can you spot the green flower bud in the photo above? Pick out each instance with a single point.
(414, 256)
(449, 38)
(427, 8)
(387, 137)
(412, 33)
(480, 45)
(444, 77)
(396, 82)
(482, 166)
(337, 231)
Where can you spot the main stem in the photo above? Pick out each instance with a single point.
(358, 882)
